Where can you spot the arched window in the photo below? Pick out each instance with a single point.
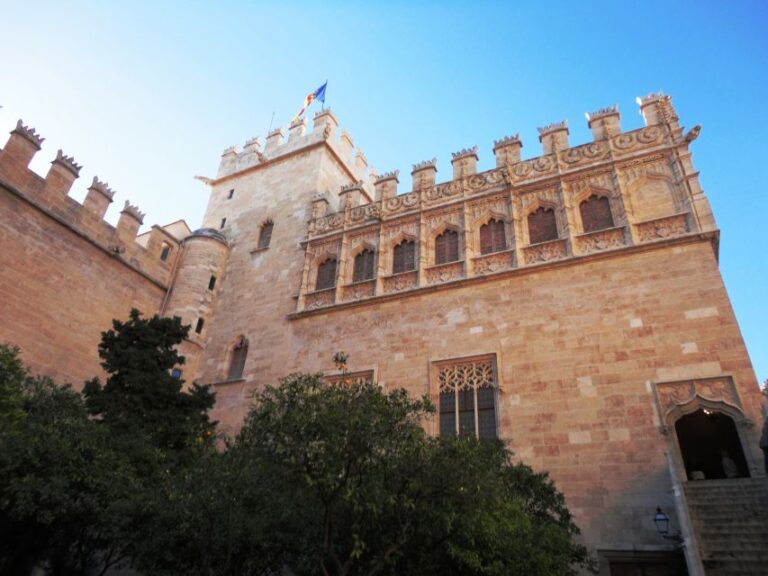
(237, 360)
(326, 274)
(596, 213)
(492, 237)
(404, 257)
(364, 266)
(447, 247)
(265, 234)
(542, 225)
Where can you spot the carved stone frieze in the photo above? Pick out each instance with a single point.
(668, 227)
(400, 282)
(359, 291)
(445, 272)
(328, 223)
(401, 203)
(545, 252)
(443, 192)
(586, 154)
(486, 180)
(370, 211)
(493, 204)
(320, 299)
(496, 262)
(327, 247)
(656, 165)
(600, 240)
(672, 395)
(627, 142)
(534, 168)
(581, 186)
(368, 235)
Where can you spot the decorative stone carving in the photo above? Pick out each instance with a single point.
(655, 165)
(545, 251)
(409, 228)
(359, 291)
(496, 262)
(586, 154)
(668, 227)
(672, 395)
(370, 211)
(314, 300)
(28, 133)
(350, 378)
(445, 272)
(627, 141)
(534, 168)
(494, 205)
(326, 247)
(365, 236)
(466, 375)
(401, 203)
(439, 192)
(445, 216)
(600, 240)
(328, 223)
(548, 196)
(484, 181)
(400, 282)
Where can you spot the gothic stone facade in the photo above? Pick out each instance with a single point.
(570, 303)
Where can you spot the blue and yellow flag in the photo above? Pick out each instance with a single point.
(318, 94)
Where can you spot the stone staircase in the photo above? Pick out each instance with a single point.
(730, 520)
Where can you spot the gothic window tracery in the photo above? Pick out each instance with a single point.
(447, 247)
(404, 257)
(237, 359)
(542, 225)
(467, 401)
(493, 238)
(596, 213)
(364, 266)
(326, 274)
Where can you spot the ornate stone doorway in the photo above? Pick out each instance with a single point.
(706, 439)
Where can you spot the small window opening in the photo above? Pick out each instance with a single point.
(199, 326)
(326, 275)
(363, 269)
(447, 247)
(265, 234)
(223, 222)
(212, 283)
(165, 252)
(404, 258)
(231, 193)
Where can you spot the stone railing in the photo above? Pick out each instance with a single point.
(496, 262)
(445, 272)
(545, 251)
(659, 228)
(600, 240)
(400, 282)
(320, 299)
(358, 291)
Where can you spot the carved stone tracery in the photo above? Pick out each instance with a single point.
(672, 397)
(466, 375)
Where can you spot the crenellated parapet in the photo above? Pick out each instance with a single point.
(324, 132)
(152, 254)
(623, 189)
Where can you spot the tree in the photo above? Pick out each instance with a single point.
(363, 490)
(141, 398)
(63, 487)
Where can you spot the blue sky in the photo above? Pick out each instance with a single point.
(147, 94)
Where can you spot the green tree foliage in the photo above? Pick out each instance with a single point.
(141, 399)
(12, 378)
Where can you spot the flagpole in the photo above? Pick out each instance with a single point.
(270, 123)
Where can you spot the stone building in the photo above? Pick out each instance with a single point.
(569, 303)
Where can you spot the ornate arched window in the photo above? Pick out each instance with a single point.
(326, 274)
(364, 266)
(596, 213)
(265, 234)
(542, 225)
(447, 247)
(404, 257)
(237, 359)
(492, 237)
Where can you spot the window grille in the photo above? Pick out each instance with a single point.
(326, 274)
(596, 214)
(404, 257)
(447, 247)
(492, 237)
(364, 263)
(467, 401)
(542, 225)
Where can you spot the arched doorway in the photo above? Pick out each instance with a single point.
(707, 439)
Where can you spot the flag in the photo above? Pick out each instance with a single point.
(318, 94)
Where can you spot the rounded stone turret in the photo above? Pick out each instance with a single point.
(193, 293)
